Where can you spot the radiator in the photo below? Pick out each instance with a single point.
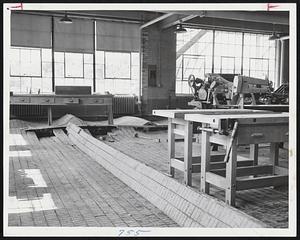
(28, 111)
(124, 104)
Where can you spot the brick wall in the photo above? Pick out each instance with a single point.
(158, 48)
(184, 205)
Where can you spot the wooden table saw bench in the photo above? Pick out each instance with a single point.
(246, 128)
(189, 164)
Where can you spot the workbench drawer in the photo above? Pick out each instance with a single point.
(16, 100)
(70, 100)
(91, 101)
(42, 100)
(262, 134)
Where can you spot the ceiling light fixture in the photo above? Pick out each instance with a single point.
(180, 29)
(274, 35)
(66, 19)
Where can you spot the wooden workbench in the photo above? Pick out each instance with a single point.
(51, 100)
(178, 125)
(252, 128)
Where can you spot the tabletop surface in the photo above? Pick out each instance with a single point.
(207, 117)
(180, 113)
(65, 95)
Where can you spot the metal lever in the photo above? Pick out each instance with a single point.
(207, 129)
(231, 141)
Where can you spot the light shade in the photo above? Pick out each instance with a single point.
(180, 29)
(274, 36)
(65, 19)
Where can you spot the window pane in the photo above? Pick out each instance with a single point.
(74, 65)
(15, 62)
(117, 65)
(259, 68)
(179, 69)
(35, 62)
(193, 65)
(25, 62)
(195, 56)
(227, 64)
(259, 52)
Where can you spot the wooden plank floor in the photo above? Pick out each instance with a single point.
(267, 204)
(52, 183)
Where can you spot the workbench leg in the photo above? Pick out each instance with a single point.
(231, 176)
(49, 115)
(274, 152)
(171, 145)
(205, 161)
(254, 153)
(110, 115)
(188, 148)
(253, 99)
(241, 101)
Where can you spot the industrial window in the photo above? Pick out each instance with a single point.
(73, 69)
(193, 64)
(259, 56)
(117, 65)
(30, 70)
(224, 52)
(117, 72)
(259, 68)
(25, 62)
(226, 65)
(228, 52)
(194, 56)
(74, 65)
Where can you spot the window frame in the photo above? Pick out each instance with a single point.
(202, 57)
(242, 58)
(41, 62)
(65, 66)
(221, 58)
(118, 78)
(259, 70)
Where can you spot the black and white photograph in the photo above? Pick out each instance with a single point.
(145, 119)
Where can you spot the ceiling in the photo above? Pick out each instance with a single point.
(248, 21)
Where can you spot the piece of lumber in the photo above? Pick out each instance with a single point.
(261, 182)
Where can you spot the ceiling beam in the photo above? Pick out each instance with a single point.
(264, 17)
(233, 25)
(175, 19)
(79, 16)
(250, 16)
(190, 43)
(155, 20)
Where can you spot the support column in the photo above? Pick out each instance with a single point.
(284, 66)
(277, 64)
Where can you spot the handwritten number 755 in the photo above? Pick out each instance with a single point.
(131, 232)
